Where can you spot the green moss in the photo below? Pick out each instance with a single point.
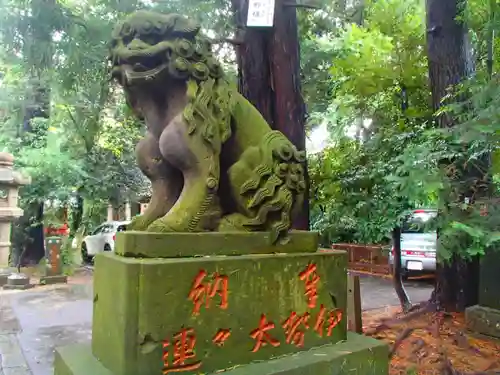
(170, 245)
(358, 355)
(49, 280)
(78, 360)
(264, 180)
(489, 293)
(268, 182)
(141, 302)
(484, 320)
(115, 317)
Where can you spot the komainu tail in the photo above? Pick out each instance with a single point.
(269, 185)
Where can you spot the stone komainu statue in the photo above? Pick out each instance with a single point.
(213, 161)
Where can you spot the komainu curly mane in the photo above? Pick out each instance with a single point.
(214, 162)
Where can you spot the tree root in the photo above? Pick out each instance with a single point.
(435, 327)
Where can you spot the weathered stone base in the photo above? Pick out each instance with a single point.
(254, 308)
(18, 286)
(140, 303)
(5, 272)
(18, 282)
(484, 320)
(49, 280)
(358, 355)
(3, 279)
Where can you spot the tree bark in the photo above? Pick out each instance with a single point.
(254, 70)
(490, 41)
(457, 284)
(450, 62)
(269, 77)
(38, 54)
(77, 212)
(449, 51)
(397, 277)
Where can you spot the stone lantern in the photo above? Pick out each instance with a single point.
(10, 181)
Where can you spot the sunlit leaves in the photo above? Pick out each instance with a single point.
(363, 55)
(367, 186)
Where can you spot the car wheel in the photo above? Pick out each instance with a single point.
(85, 255)
(107, 247)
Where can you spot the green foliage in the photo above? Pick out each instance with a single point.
(354, 182)
(359, 63)
(362, 186)
(67, 255)
(53, 55)
(462, 163)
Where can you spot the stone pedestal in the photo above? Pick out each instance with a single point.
(485, 317)
(18, 281)
(53, 271)
(4, 274)
(164, 304)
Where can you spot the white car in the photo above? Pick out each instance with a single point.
(102, 239)
(418, 243)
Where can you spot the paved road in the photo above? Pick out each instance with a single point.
(33, 322)
(378, 292)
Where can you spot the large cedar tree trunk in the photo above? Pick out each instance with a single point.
(450, 62)
(269, 76)
(38, 53)
(32, 249)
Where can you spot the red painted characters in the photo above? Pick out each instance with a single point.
(179, 354)
(333, 319)
(311, 279)
(182, 353)
(261, 335)
(204, 291)
(292, 326)
(221, 336)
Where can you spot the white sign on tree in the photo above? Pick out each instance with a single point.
(260, 13)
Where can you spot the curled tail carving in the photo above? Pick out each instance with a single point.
(270, 184)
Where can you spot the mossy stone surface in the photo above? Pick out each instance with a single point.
(484, 320)
(170, 245)
(142, 303)
(115, 324)
(358, 355)
(49, 280)
(78, 359)
(489, 292)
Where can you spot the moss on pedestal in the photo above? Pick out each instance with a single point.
(489, 292)
(142, 303)
(281, 313)
(358, 355)
(485, 317)
(483, 320)
(170, 245)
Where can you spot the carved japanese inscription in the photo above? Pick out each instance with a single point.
(210, 294)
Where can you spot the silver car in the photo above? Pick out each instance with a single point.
(418, 243)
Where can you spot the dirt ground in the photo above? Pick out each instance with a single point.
(432, 343)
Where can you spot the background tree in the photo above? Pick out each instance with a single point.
(364, 78)
(269, 76)
(450, 63)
